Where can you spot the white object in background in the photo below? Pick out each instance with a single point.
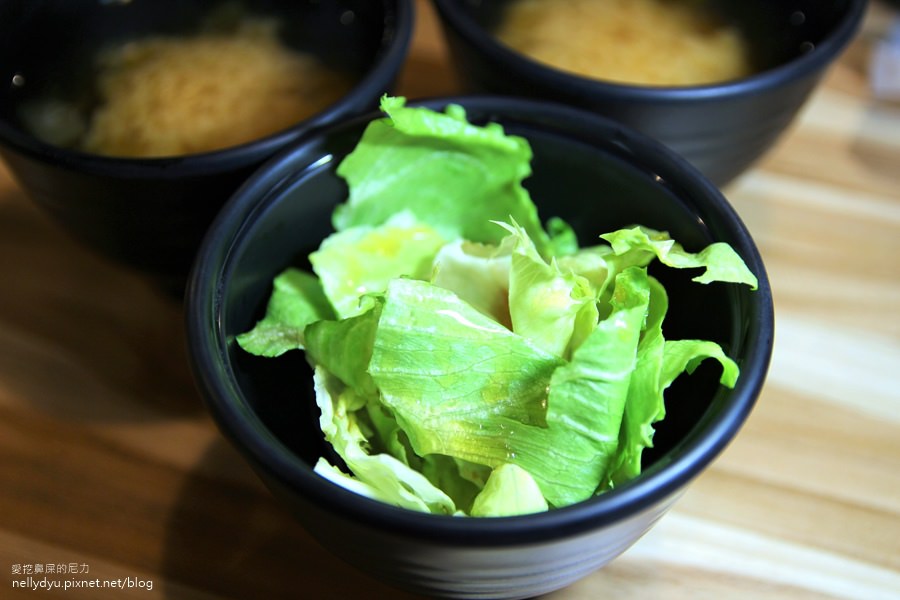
(884, 69)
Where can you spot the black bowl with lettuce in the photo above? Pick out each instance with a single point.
(412, 330)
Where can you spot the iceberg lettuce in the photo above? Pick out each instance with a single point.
(297, 300)
(468, 360)
(452, 175)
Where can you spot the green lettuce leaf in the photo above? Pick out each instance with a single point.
(644, 404)
(509, 491)
(344, 348)
(719, 260)
(454, 176)
(361, 260)
(379, 476)
(563, 240)
(545, 302)
(683, 356)
(659, 363)
(588, 395)
(478, 274)
(461, 480)
(456, 380)
(461, 385)
(297, 300)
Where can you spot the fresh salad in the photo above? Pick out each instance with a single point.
(469, 360)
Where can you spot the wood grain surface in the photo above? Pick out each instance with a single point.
(111, 470)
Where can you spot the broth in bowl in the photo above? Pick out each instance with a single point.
(645, 42)
(230, 83)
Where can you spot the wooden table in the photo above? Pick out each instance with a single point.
(110, 467)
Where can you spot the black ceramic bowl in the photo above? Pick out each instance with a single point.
(595, 173)
(152, 213)
(721, 128)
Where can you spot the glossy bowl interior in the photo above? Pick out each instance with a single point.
(151, 213)
(596, 174)
(721, 128)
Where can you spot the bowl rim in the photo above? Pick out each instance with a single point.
(392, 52)
(453, 14)
(204, 301)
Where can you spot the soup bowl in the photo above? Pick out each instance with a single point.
(150, 212)
(723, 128)
(596, 174)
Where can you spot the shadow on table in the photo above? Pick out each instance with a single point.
(226, 538)
(82, 338)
